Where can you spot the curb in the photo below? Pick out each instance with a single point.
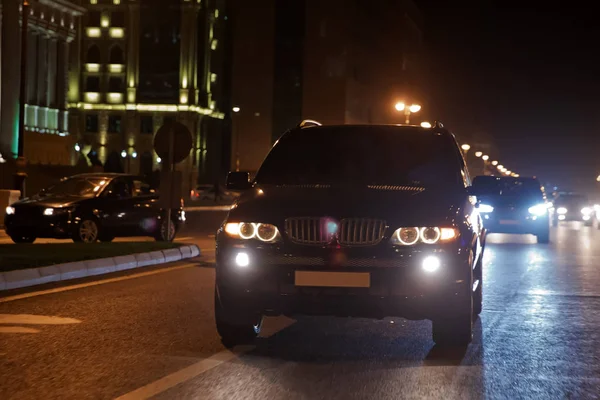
(80, 269)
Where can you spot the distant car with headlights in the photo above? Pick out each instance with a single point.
(353, 221)
(206, 192)
(89, 208)
(513, 205)
(571, 206)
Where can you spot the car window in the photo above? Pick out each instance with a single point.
(76, 186)
(142, 188)
(119, 188)
(363, 155)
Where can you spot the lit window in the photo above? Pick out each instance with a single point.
(117, 2)
(93, 1)
(213, 77)
(92, 67)
(117, 33)
(93, 32)
(216, 13)
(92, 97)
(115, 68)
(105, 22)
(114, 124)
(214, 44)
(115, 98)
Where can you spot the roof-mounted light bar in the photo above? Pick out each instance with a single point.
(308, 122)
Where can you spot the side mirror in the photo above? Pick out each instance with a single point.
(238, 181)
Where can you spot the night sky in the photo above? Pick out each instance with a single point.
(529, 77)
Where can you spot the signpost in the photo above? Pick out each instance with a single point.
(172, 143)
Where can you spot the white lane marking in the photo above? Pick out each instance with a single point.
(28, 319)
(167, 382)
(96, 283)
(207, 208)
(16, 329)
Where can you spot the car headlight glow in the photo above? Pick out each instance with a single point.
(49, 211)
(561, 210)
(10, 210)
(538, 209)
(252, 230)
(486, 208)
(586, 210)
(427, 234)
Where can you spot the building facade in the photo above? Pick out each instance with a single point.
(335, 61)
(139, 64)
(52, 30)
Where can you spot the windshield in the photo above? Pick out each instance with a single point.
(76, 186)
(573, 200)
(363, 155)
(508, 187)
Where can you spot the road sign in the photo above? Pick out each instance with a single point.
(182, 142)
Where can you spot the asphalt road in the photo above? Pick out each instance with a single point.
(151, 333)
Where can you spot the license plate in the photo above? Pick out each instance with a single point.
(509, 222)
(333, 279)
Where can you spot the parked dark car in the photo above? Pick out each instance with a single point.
(357, 221)
(513, 205)
(91, 207)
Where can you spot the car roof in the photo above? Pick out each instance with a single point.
(105, 175)
(399, 127)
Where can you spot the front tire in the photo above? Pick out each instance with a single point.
(543, 237)
(23, 239)
(88, 231)
(234, 325)
(161, 234)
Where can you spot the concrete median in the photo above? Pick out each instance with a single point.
(62, 272)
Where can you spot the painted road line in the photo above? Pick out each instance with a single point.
(195, 370)
(89, 284)
(207, 208)
(17, 329)
(28, 319)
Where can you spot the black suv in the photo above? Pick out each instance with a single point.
(513, 205)
(353, 221)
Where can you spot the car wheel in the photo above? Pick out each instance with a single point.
(161, 235)
(455, 327)
(543, 237)
(233, 325)
(87, 232)
(23, 239)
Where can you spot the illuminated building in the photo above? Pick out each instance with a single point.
(52, 29)
(140, 64)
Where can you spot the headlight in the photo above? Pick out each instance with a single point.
(10, 210)
(56, 211)
(49, 211)
(427, 235)
(486, 208)
(253, 230)
(538, 209)
(586, 210)
(561, 210)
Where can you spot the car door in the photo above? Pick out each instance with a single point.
(117, 208)
(145, 207)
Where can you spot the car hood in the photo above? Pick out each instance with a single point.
(408, 206)
(48, 201)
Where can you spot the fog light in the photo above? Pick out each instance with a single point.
(586, 217)
(561, 217)
(242, 260)
(431, 264)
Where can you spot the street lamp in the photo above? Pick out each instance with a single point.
(478, 154)
(500, 167)
(494, 163)
(465, 147)
(413, 108)
(485, 157)
(236, 128)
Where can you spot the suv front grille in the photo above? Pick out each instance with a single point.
(361, 231)
(350, 232)
(306, 230)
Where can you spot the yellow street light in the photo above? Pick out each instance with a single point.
(507, 172)
(598, 178)
(494, 163)
(500, 167)
(485, 157)
(400, 106)
(478, 154)
(415, 108)
(465, 147)
(516, 175)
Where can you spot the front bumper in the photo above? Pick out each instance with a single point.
(398, 286)
(512, 224)
(53, 226)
